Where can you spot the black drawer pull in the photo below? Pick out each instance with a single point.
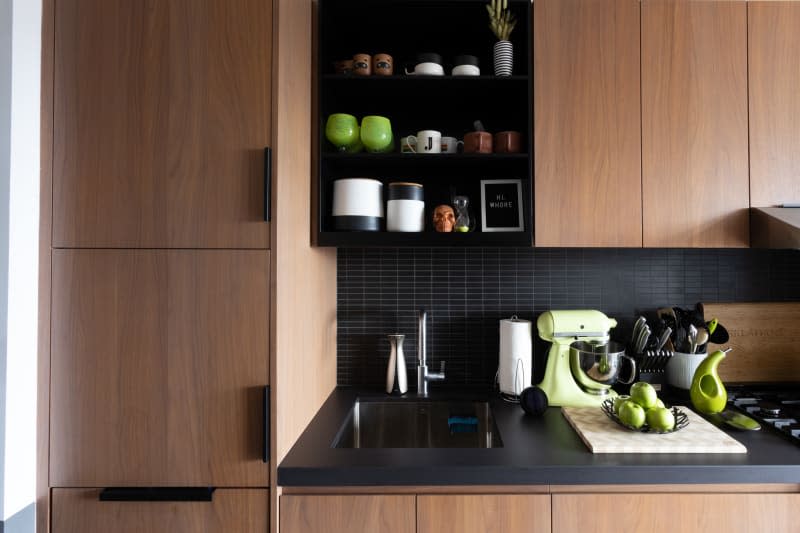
(266, 424)
(267, 184)
(157, 494)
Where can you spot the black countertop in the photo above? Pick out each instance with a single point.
(536, 450)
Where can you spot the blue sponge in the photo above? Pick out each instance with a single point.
(463, 424)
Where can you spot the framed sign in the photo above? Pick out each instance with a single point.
(501, 205)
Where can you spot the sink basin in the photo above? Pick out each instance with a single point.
(418, 424)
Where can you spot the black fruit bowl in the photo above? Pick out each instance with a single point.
(681, 420)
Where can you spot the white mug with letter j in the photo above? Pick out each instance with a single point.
(426, 142)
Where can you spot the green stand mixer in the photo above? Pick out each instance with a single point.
(580, 376)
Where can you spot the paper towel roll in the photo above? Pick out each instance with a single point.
(516, 356)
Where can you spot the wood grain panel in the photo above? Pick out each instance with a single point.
(483, 514)
(161, 359)
(694, 124)
(588, 127)
(162, 112)
(764, 341)
(347, 514)
(774, 78)
(231, 511)
(668, 513)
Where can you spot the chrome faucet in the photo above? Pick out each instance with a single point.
(423, 376)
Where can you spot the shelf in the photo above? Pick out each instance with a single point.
(416, 158)
(395, 164)
(403, 78)
(428, 238)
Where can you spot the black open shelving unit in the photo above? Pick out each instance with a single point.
(450, 104)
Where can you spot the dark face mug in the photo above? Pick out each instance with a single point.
(478, 142)
(507, 142)
(382, 65)
(362, 64)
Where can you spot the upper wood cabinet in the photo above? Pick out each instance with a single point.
(348, 514)
(159, 362)
(161, 117)
(774, 76)
(588, 188)
(230, 511)
(695, 189)
(483, 513)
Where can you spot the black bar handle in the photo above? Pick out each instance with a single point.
(267, 183)
(266, 424)
(157, 494)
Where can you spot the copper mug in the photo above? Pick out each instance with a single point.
(362, 64)
(382, 65)
(478, 142)
(507, 142)
(345, 66)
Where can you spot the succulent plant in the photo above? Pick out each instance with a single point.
(501, 21)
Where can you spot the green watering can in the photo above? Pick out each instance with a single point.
(708, 392)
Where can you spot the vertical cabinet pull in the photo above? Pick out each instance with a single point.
(267, 184)
(157, 494)
(266, 424)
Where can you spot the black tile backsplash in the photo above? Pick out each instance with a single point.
(468, 290)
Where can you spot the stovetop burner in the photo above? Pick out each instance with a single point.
(775, 406)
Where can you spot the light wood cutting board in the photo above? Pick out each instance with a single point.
(603, 435)
(765, 338)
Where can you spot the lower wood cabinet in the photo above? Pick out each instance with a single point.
(348, 514)
(483, 513)
(671, 513)
(230, 511)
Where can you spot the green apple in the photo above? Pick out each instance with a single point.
(660, 419)
(658, 404)
(631, 414)
(619, 400)
(644, 394)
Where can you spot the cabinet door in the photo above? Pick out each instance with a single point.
(695, 190)
(774, 76)
(230, 511)
(159, 359)
(347, 514)
(669, 513)
(161, 116)
(588, 184)
(502, 513)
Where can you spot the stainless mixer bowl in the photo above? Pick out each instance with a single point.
(596, 365)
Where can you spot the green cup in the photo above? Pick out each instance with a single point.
(376, 134)
(342, 131)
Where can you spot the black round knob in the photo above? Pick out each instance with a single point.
(533, 401)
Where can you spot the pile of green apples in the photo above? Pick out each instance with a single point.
(644, 406)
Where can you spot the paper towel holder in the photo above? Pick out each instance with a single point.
(518, 383)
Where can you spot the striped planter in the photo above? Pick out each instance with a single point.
(503, 58)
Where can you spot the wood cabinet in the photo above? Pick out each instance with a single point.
(230, 511)
(694, 124)
(161, 117)
(483, 513)
(347, 514)
(587, 144)
(159, 363)
(774, 79)
(667, 513)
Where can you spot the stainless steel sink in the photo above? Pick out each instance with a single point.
(418, 424)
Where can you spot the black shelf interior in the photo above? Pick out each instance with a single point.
(450, 104)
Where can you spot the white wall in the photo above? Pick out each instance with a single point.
(23, 231)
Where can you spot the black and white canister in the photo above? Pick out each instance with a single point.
(357, 204)
(503, 58)
(405, 208)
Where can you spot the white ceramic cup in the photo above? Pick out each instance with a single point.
(450, 145)
(466, 70)
(426, 142)
(681, 367)
(407, 144)
(428, 69)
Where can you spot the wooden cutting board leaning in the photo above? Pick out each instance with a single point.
(603, 435)
(765, 338)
